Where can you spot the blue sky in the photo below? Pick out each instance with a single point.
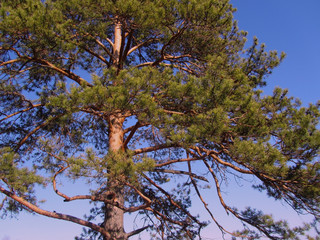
(292, 26)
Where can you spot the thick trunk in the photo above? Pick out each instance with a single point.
(113, 222)
(113, 219)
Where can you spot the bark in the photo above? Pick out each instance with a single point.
(117, 43)
(113, 221)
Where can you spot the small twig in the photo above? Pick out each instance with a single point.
(222, 229)
(3, 201)
(36, 129)
(178, 160)
(181, 172)
(170, 199)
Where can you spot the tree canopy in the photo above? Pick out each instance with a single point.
(136, 97)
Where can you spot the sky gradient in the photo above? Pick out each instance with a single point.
(290, 26)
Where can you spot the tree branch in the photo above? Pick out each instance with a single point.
(137, 231)
(155, 212)
(170, 57)
(36, 129)
(145, 198)
(108, 40)
(132, 132)
(173, 38)
(97, 56)
(127, 48)
(3, 201)
(167, 65)
(222, 229)
(21, 111)
(154, 148)
(55, 215)
(64, 72)
(130, 128)
(173, 112)
(170, 199)
(141, 45)
(144, 64)
(228, 209)
(10, 62)
(214, 155)
(181, 172)
(178, 160)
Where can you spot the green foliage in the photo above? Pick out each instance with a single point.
(180, 87)
(123, 165)
(272, 229)
(21, 179)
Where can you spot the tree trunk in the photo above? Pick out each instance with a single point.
(113, 221)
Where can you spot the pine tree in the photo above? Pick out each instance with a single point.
(131, 94)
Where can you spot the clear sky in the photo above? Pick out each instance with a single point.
(292, 26)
